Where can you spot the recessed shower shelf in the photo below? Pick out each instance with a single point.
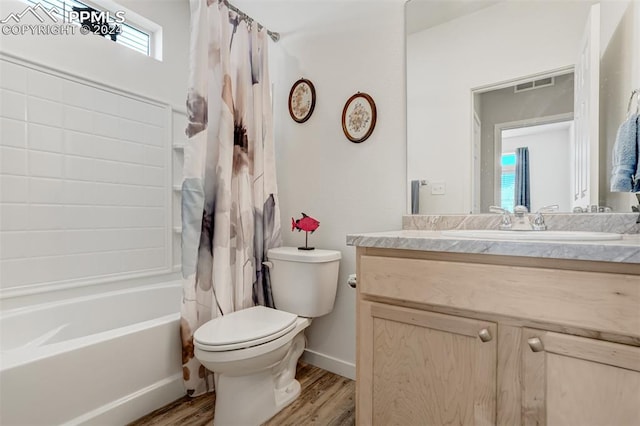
(177, 188)
(177, 229)
(178, 146)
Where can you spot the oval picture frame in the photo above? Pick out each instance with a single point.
(359, 117)
(302, 100)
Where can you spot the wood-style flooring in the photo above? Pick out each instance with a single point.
(326, 399)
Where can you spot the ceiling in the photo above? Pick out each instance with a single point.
(289, 17)
(423, 14)
(293, 16)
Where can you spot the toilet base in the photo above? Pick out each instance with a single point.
(286, 396)
(253, 399)
(255, 405)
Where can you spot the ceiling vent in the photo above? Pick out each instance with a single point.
(536, 84)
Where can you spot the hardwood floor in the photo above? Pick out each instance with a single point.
(326, 400)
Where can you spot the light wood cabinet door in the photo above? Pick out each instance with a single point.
(570, 380)
(424, 368)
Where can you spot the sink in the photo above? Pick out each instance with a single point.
(493, 234)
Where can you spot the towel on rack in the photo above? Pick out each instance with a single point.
(625, 174)
(415, 196)
(636, 182)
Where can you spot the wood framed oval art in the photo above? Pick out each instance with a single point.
(302, 100)
(359, 117)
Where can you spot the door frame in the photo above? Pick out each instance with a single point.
(497, 142)
(497, 86)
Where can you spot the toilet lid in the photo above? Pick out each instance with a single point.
(241, 329)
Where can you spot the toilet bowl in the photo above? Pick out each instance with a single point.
(254, 352)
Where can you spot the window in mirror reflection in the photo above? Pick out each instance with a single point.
(508, 181)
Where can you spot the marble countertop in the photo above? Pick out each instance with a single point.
(626, 250)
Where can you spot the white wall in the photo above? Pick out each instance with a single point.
(108, 63)
(87, 159)
(619, 75)
(548, 159)
(504, 42)
(348, 187)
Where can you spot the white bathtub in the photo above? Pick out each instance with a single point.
(102, 359)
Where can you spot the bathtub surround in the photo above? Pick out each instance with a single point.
(77, 133)
(230, 206)
(85, 178)
(93, 178)
(63, 364)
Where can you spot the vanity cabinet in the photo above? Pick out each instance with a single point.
(445, 338)
(426, 368)
(572, 380)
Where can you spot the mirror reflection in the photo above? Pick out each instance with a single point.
(517, 103)
(535, 118)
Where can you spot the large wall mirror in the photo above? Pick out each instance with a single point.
(517, 102)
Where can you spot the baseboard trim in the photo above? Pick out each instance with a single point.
(329, 363)
(135, 405)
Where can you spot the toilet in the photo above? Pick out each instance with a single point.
(254, 352)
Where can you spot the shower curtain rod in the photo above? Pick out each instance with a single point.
(274, 36)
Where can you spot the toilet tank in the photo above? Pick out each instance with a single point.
(304, 282)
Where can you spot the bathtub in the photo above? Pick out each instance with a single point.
(108, 358)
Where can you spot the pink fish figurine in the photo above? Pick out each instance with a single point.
(305, 223)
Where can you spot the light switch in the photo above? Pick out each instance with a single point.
(437, 188)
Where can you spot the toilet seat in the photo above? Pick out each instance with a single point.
(242, 329)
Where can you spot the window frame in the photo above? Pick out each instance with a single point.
(507, 170)
(132, 24)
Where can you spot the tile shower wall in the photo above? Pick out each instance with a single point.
(84, 180)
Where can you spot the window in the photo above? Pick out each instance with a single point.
(508, 181)
(128, 35)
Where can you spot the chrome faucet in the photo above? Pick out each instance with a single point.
(521, 221)
(538, 220)
(505, 223)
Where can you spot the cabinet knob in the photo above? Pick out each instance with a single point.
(535, 344)
(484, 335)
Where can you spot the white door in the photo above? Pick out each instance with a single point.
(477, 138)
(585, 171)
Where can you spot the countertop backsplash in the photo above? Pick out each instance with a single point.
(620, 223)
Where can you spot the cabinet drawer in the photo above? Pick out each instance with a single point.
(608, 303)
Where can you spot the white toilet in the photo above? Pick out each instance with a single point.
(254, 352)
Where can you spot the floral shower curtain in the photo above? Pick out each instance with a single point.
(230, 215)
